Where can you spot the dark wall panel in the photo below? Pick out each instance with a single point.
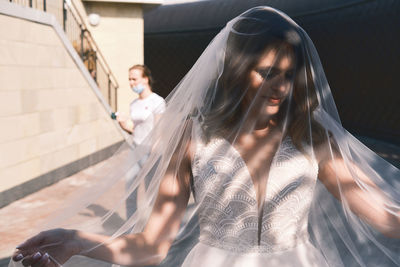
(358, 42)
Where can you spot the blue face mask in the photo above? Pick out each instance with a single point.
(138, 88)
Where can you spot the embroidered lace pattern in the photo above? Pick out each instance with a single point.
(228, 213)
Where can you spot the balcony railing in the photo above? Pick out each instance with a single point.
(75, 28)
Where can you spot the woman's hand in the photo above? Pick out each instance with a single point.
(48, 248)
(125, 122)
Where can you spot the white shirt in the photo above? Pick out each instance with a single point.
(143, 113)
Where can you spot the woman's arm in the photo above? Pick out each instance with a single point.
(370, 206)
(152, 245)
(148, 247)
(126, 123)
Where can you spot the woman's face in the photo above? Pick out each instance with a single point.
(270, 82)
(136, 77)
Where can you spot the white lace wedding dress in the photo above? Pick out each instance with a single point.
(228, 216)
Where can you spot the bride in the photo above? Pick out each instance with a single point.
(253, 134)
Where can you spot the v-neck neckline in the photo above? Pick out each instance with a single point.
(237, 153)
(260, 206)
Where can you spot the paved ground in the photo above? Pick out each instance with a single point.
(22, 218)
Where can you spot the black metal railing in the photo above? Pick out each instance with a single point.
(38, 4)
(75, 28)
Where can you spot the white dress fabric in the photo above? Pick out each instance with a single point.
(230, 234)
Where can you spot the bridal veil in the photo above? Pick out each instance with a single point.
(213, 107)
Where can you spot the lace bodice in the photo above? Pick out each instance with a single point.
(228, 213)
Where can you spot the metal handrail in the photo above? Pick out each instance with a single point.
(93, 42)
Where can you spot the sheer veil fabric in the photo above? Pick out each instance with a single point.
(253, 135)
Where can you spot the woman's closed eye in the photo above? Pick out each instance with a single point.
(270, 73)
(289, 75)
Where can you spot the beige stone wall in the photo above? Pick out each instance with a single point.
(49, 115)
(120, 38)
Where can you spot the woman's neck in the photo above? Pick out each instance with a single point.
(146, 93)
(255, 131)
(261, 126)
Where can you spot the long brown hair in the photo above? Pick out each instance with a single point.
(250, 37)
